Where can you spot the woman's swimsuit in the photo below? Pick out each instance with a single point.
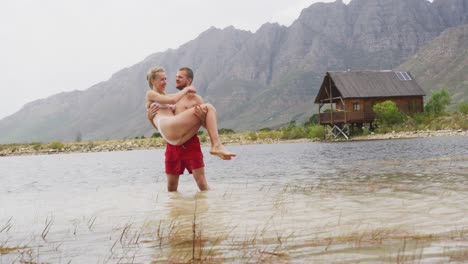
(158, 120)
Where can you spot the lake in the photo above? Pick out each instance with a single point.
(391, 201)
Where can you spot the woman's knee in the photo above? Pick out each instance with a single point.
(209, 106)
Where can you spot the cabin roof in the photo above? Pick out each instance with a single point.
(367, 84)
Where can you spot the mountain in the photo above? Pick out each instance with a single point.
(256, 80)
(443, 63)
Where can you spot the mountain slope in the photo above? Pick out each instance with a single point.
(256, 80)
(443, 63)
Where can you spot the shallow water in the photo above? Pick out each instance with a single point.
(394, 201)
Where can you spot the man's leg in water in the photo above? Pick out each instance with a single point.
(172, 182)
(199, 176)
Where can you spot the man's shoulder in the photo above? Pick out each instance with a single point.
(196, 99)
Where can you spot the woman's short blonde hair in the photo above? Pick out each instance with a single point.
(153, 74)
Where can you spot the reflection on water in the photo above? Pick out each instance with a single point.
(398, 201)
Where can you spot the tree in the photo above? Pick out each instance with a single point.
(225, 131)
(313, 120)
(388, 114)
(438, 102)
(463, 108)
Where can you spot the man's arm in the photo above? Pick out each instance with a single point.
(151, 113)
(169, 98)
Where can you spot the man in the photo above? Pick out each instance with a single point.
(189, 155)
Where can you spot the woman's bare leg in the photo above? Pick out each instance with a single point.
(212, 126)
(181, 127)
(184, 125)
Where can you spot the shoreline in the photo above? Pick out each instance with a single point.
(227, 139)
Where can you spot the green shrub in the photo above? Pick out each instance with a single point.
(156, 135)
(315, 131)
(293, 132)
(422, 118)
(313, 120)
(203, 138)
(36, 145)
(365, 131)
(56, 145)
(263, 135)
(388, 114)
(252, 136)
(463, 124)
(225, 131)
(463, 108)
(438, 102)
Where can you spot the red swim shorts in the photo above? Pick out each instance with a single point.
(187, 156)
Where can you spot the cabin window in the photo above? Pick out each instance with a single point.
(356, 107)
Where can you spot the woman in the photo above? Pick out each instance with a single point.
(177, 129)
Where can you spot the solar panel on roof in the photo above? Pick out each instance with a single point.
(400, 76)
(406, 75)
(403, 76)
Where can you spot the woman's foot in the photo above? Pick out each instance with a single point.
(221, 152)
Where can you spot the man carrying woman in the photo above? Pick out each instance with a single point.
(180, 129)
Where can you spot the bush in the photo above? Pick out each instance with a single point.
(273, 134)
(36, 145)
(263, 135)
(56, 145)
(438, 102)
(252, 136)
(156, 135)
(203, 138)
(293, 132)
(463, 108)
(225, 131)
(315, 131)
(365, 131)
(313, 120)
(422, 118)
(388, 114)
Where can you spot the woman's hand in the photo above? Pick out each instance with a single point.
(200, 113)
(190, 89)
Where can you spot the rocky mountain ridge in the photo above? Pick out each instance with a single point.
(256, 80)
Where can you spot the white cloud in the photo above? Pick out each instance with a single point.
(52, 46)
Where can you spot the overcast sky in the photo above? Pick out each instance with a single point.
(52, 46)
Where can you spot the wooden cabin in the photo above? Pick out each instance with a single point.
(348, 97)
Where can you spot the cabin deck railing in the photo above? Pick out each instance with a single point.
(343, 117)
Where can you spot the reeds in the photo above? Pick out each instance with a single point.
(168, 244)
